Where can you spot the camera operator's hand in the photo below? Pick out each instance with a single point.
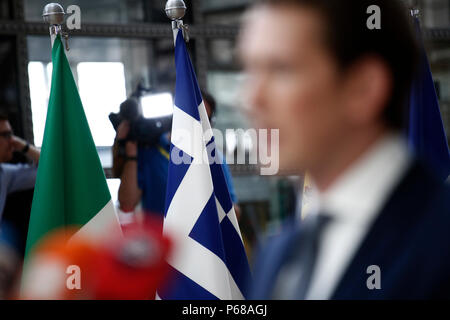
(131, 149)
(129, 192)
(23, 146)
(18, 144)
(123, 130)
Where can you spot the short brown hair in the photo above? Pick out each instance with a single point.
(349, 39)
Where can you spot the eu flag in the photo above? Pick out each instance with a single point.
(426, 131)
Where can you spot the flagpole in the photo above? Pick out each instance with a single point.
(53, 14)
(175, 11)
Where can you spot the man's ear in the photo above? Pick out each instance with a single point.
(367, 90)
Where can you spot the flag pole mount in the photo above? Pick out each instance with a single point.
(175, 11)
(53, 14)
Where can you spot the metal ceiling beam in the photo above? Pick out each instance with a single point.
(142, 30)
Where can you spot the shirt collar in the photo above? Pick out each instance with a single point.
(361, 191)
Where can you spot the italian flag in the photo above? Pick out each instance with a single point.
(71, 189)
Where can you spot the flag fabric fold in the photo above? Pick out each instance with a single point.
(426, 132)
(71, 189)
(209, 261)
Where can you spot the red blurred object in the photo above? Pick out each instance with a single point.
(128, 267)
(132, 267)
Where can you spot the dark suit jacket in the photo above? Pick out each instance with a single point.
(409, 241)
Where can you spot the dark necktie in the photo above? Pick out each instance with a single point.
(295, 275)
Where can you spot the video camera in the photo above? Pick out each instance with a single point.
(145, 131)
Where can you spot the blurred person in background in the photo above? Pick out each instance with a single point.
(143, 175)
(10, 260)
(144, 171)
(336, 89)
(14, 177)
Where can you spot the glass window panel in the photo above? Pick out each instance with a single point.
(220, 5)
(107, 71)
(39, 92)
(435, 13)
(102, 90)
(101, 87)
(222, 53)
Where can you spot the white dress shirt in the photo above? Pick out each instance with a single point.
(353, 202)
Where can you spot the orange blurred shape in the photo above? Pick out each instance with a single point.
(125, 267)
(57, 265)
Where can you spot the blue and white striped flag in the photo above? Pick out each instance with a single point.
(209, 260)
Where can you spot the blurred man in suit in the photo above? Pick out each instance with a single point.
(336, 87)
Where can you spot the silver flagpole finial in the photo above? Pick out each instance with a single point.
(175, 11)
(53, 14)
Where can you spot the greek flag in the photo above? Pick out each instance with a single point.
(209, 260)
